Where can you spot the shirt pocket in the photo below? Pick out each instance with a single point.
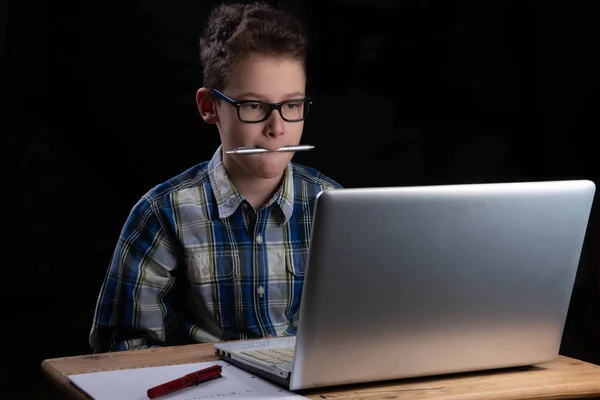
(212, 290)
(295, 260)
(212, 268)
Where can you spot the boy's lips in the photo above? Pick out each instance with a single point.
(272, 148)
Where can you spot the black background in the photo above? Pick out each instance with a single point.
(98, 107)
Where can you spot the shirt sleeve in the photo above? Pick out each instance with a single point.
(136, 295)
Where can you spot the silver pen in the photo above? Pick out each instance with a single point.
(256, 150)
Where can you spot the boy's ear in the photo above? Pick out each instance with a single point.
(206, 105)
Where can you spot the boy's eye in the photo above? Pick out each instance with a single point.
(253, 106)
(293, 105)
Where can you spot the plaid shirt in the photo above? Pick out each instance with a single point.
(195, 262)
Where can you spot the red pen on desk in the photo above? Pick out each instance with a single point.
(190, 379)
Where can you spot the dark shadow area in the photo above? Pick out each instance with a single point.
(99, 107)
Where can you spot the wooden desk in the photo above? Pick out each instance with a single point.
(565, 378)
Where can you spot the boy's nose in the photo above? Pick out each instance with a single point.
(275, 125)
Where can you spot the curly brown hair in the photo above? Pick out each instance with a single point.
(234, 31)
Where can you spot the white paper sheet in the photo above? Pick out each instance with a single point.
(132, 384)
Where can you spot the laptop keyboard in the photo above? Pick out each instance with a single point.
(278, 355)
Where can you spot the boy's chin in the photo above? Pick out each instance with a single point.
(270, 170)
(269, 173)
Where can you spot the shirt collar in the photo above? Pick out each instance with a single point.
(229, 199)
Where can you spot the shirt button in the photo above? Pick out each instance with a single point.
(259, 239)
(205, 271)
(261, 290)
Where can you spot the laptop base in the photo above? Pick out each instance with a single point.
(270, 376)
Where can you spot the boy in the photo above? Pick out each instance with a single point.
(219, 251)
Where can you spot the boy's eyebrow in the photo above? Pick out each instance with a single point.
(260, 97)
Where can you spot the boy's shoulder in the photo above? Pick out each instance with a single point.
(313, 176)
(192, 177)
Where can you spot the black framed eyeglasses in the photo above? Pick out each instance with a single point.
(253, 111)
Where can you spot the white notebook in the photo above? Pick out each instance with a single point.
(133, 384)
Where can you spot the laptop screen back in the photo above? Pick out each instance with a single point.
(414, 281)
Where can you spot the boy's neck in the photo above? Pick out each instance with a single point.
(257, 191)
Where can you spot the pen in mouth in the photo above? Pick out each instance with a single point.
(257, 150)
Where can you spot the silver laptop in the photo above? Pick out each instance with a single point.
(418, 281)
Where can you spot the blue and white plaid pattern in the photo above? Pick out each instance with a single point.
(196, 262)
